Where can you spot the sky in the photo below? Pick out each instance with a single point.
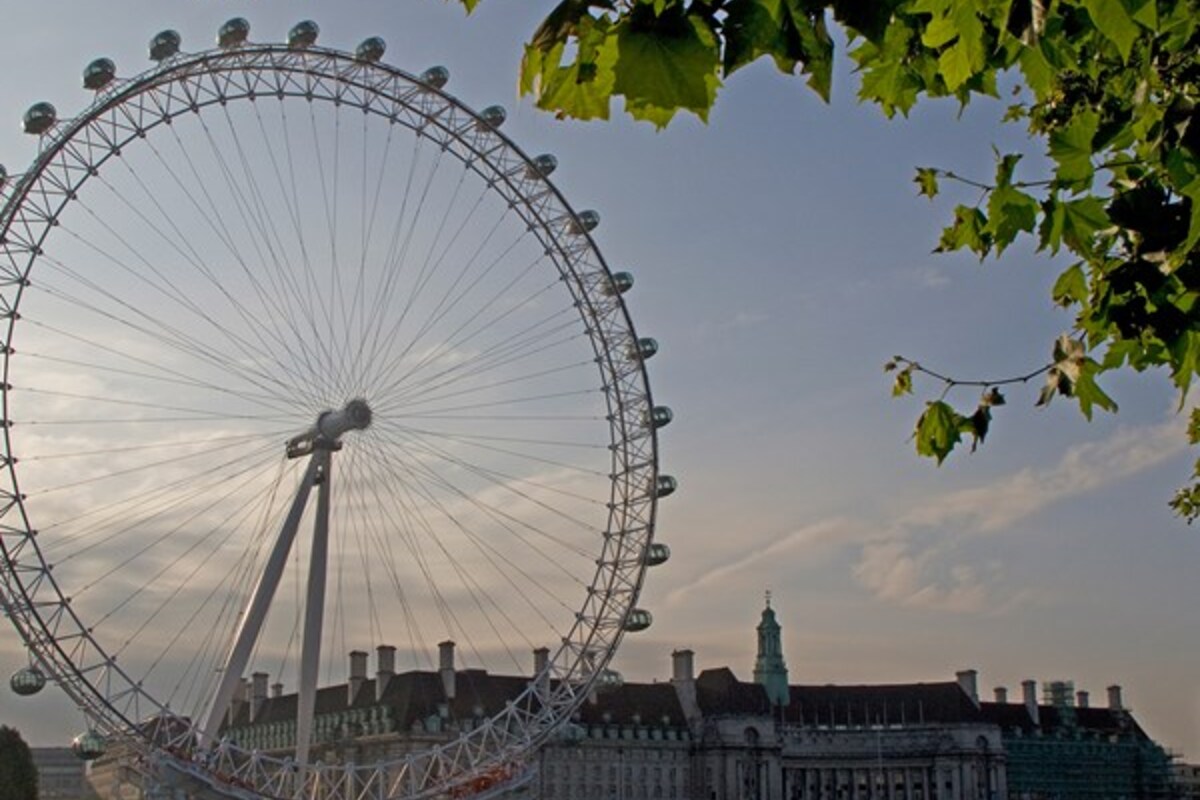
(781, 256)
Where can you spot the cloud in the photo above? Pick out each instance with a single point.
(892, 573)
(1082, 469)
(835, 531)
(911, 560)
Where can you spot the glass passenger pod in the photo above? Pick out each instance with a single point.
(89, 746)
(303, 34)
(371, 49)
(233, 33)
(621, 283)
(645, 348)
(99, 73)
(27, 681)
(493, 116)
(164, 45)
(585, 221)
(665, 485)
(657, 553)
(39, 118)
(542, 166)
(639, 619)
(659, 417)
(609, 679)
(437, 77)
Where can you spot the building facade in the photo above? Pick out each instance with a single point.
(712, 736)
(61, 775)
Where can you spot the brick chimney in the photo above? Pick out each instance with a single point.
(1114, 698)
(967, 679)
(683, 678)
(385, 668)
(358, 674)
(277, 689)
(258, 693)
(446, 667)
(1029, 690)
(1081, 699)
(1001, 694)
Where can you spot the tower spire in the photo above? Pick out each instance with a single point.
(770, 671)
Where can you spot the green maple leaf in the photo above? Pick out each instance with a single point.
(582, 89)
(1113, 20)
(938, 430)
(1071, 147)
(927, 182)
(1087, 392)
(664, 65)
(1071, 287)
(887, 78)
(969, 230)
(1010, 211)
(1081, 220)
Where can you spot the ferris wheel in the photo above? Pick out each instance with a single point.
(302, 356)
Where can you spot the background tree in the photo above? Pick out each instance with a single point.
(18, 775)
(1109, 89)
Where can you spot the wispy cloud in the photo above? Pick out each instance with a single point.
(915, 559)
(1083, 468)
(783, 550)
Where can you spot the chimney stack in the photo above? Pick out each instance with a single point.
(967, 680)
(258, 693)
(1081, 699)
(1029, 689)
(446, 667)
(1001, 694)
(276, 690)
(358, 674)
(385, 669)
(682, 669)
(541, 660)
(684, 679)
(1114, 698)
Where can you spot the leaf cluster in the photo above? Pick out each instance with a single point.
(1109, 88)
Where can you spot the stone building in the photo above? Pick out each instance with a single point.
(712, 736)
(61, 775)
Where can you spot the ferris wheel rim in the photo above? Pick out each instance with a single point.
(638, 488)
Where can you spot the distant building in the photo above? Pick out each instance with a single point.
(712, 736)
(61, 775)
(1185, 781)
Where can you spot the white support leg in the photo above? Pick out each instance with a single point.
(256, 611)
(314, 612)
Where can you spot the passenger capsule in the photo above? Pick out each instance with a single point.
(99, 73)
(27, 681)
(542, 166)
(665, 485)
(621, 283)
(435, 77)
(659, 417)
(370, 49)
(493, 116)
(40, 118)
(303, 34)
(164, 45)
(657, 553)
(233, 33)
(645, 348)
(89, 746)
(638, 620)
(609, 679)
(585, 221)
